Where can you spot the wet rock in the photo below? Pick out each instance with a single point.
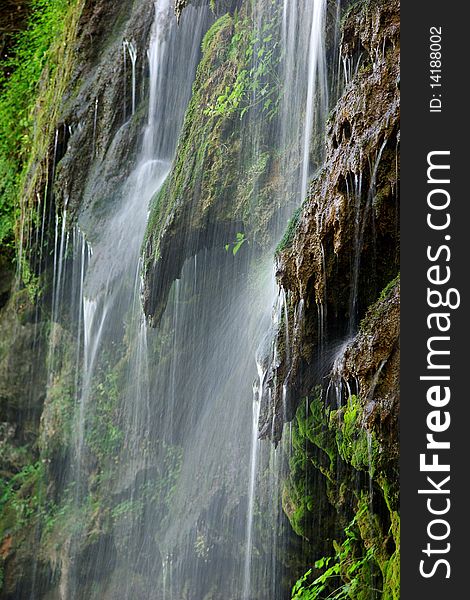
(337, 266)
(345, 446)
(343, 246)
(97, 117)
(22, 381)
(224, 155)
(370, 362)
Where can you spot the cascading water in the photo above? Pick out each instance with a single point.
(196, 496)
(303, 112)
(110, 290)
(305, 99)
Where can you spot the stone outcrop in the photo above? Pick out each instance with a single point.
(224, 154)
(338, 379)
(342, 247)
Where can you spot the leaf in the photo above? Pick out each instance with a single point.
(237, 247)
(240, 239)
(319, 564)
(227, 246)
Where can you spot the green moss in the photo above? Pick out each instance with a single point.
(313, 450)
(316, 429)
(391, 567)
(30, 101)
(81, 521)
(212, 179)
(348, 574)
(103, 428)
(391, 578)
(361, 562)
(376, 310)
(56, 434)
(21, 498)
(17, 99)
(289, 234)
(388, 288)
(336, 446)
(373, 534)
(201, 134)
(360, 566)
(356, 446)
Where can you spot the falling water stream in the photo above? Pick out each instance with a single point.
(197, 493)
(302, 116)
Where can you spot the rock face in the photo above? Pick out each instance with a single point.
(85, 128)
(22, 396)
(98, 128)
(337, 265)
(341, 247)
(345, 442)
(225, 178)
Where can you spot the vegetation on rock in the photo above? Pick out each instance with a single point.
(30, 98)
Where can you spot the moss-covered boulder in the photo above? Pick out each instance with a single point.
(225, 178)
(344, 461)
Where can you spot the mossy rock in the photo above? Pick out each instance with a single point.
(225, 177)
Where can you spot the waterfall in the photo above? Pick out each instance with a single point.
(305, 101)
(258, 393)
(109, 290)
(317, 79)
(166, 420)
(303, 112)
(198, 368)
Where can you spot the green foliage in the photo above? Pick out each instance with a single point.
(125, 508)
(336, 445)
(21, 498)
(103, 434)
(256, 84)
(345, 575)
(212, 179)
(237, 243)
(61, 522)
(233, 96)
(198, 134)
(212, 33)
(18, 96)
(156, 493)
